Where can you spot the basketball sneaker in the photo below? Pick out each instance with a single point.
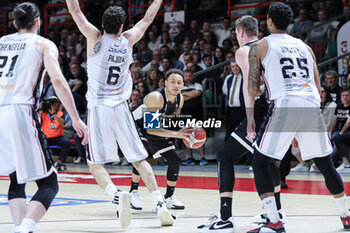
(189, 162)
(314, 169)
(262, 218)
(203, 162)
(343, 168)
(300, 168)
(173, 203)
(122, 200)
(216, 224)
(135, 200)
(346, 223)
(164, 215)
(269, 227)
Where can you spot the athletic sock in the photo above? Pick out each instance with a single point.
(225, 207)
(343, 206)
(270, 207)
(134, 186)
(169, 191)
(278, 200)
(28, 225)
(157, 197)
(111, 190)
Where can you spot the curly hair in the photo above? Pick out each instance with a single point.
(25, 15)
(281, 15)
(113, 18)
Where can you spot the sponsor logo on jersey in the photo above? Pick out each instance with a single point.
(7, 87)
(151, 120)
(119, 51)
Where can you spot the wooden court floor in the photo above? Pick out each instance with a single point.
(81, 206)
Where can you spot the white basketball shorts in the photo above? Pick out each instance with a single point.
(110, 127)
(293, 117)
(22, 144)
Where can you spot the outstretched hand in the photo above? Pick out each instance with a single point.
(82, 130)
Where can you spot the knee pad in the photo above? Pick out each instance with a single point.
(48, 188)
(173, 165)
(275, 173)
(135, 171)
(16, 190)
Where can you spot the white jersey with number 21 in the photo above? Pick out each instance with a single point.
(289, 68)
(109, 78)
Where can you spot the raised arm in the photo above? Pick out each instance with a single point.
(137, 32)
(89, 31)
(50, 57)
(254, 78)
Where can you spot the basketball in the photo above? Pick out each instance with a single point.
(197, 139)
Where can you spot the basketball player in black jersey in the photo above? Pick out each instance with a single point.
(168, 101)
(240, 141)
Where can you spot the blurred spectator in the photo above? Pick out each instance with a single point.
(322, 31)
(187, 58)
(229, 55)
(227, 45)
(77, 79)
(48, 89)
(144, 55)
(333, 88)
(197, 57)
(52, 126)
(263, 27)
(135, 98)
(342, 139)
(340, 118)
(302, 23)
(142, 86)
(164, 51)
(206, 27)
(180, 37)
(167, 41)
(327, 106)
(63, 64)
(218, 55)
(186, 48)
(210, 39)
(232, 89)
(194, 33)
(166, 65)
(136, 74)
(84, 58)
(161, 82)
(154, 43)
(81, 44)
(233, 36)
(224, 33)
(155, 60)
(152, 79)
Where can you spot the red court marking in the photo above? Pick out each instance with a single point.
(195, 182)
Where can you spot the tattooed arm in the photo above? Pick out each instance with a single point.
(254, 78)
(92, 34)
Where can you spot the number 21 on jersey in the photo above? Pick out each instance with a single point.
(4, 60)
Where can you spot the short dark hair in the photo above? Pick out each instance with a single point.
(345, 89)
(207, 56)
(25, 15)
(113, 18)
(281, 15)
(248, 24)
(188, 71)
(174, 71)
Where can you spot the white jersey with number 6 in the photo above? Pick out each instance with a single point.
(109, 78)
(289, 68)
(20, 64)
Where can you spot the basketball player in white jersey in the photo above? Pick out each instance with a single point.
(293, 83)
(24, 154)
(109, 118)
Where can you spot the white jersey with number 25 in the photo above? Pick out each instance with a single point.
(289, 68)
(109, 78)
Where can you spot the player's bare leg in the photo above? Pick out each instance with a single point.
(146, 172)
(18, 210)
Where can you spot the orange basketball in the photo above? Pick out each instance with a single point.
(197, 139)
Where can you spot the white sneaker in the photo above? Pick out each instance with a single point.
(135, 200)
(216, 224)
(122, 200)
(343, 168)
(262, 218)
(300, 168)
(173, 203)
(314, 169)
(164, 215)
(77, 160)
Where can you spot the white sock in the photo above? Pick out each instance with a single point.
(157, 196)
(27, 225)
(271, 209)
(18, 228)
(111, 190)
(343, 206)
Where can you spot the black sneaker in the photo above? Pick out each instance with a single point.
(346, 223)
(216, 224)
(277, 227)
